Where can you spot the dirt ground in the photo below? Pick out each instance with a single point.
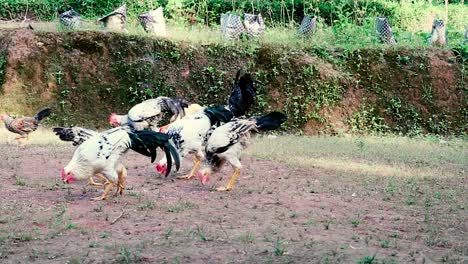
(277, 214)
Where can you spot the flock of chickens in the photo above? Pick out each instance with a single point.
(212, 135)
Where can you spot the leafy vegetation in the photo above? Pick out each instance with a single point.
(309, 78)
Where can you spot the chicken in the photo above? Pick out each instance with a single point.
(77, 135)
(242, 95)
(24, 126)
(100, 154)
(189, 133)
(227, 142)
(191, 109)
(147, 114)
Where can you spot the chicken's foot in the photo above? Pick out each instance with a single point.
(194, 170)
(231, 182)
(108, 188)
(121, 181)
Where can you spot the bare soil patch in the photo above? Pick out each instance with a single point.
(277, 214)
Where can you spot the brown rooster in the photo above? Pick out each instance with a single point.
(24, 126)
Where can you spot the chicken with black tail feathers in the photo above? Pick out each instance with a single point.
(243, 94)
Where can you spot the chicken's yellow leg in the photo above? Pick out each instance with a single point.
(121, 181)
(100, 176)
(108, 188)
(231, 182)
(197, 165)
(92, 182)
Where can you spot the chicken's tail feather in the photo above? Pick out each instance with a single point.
(270, 121)
(237, 76)
(218, 114)
(175, 105)
(64, 133)
(171, 153)
(242, 95)
(43, 114)
(77, 135)
(146, 143)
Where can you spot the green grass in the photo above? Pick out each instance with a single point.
(180, 206)
(389, 156)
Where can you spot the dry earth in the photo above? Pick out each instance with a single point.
(278, 213)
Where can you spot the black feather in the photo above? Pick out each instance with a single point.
(218, 114)
(76, 135)
(175, 154)
(146, 143)
(43, 114)
(168, 159)
(138, 145)
(242, 95)
(64, 133)
(270, 121)
(237, 75)
(174, 105)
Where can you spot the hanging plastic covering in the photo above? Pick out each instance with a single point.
(153, 22)
(308, 25)
(116, 19)
(438, 35)
(254, 24)
(384, 30)
(231, 26)
(70, 19)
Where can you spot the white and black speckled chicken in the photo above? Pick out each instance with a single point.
(227, 142)
(189, 133)
(25, 125)
(147, 114)
(100, 154)
(76, 135)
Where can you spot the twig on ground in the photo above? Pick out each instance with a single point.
(121, 214)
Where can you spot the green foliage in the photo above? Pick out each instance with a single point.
(279, 247)
(211, 81)
(311, 85)
(48, 9)
(286, 11)
(367, 120)
(367, 260)
(407, 117)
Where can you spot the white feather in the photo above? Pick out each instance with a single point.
(100, 153)
(187, 134)
(146, 109)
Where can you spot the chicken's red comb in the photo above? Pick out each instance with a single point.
(112, 117)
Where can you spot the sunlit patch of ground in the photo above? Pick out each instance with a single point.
(298, 200)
